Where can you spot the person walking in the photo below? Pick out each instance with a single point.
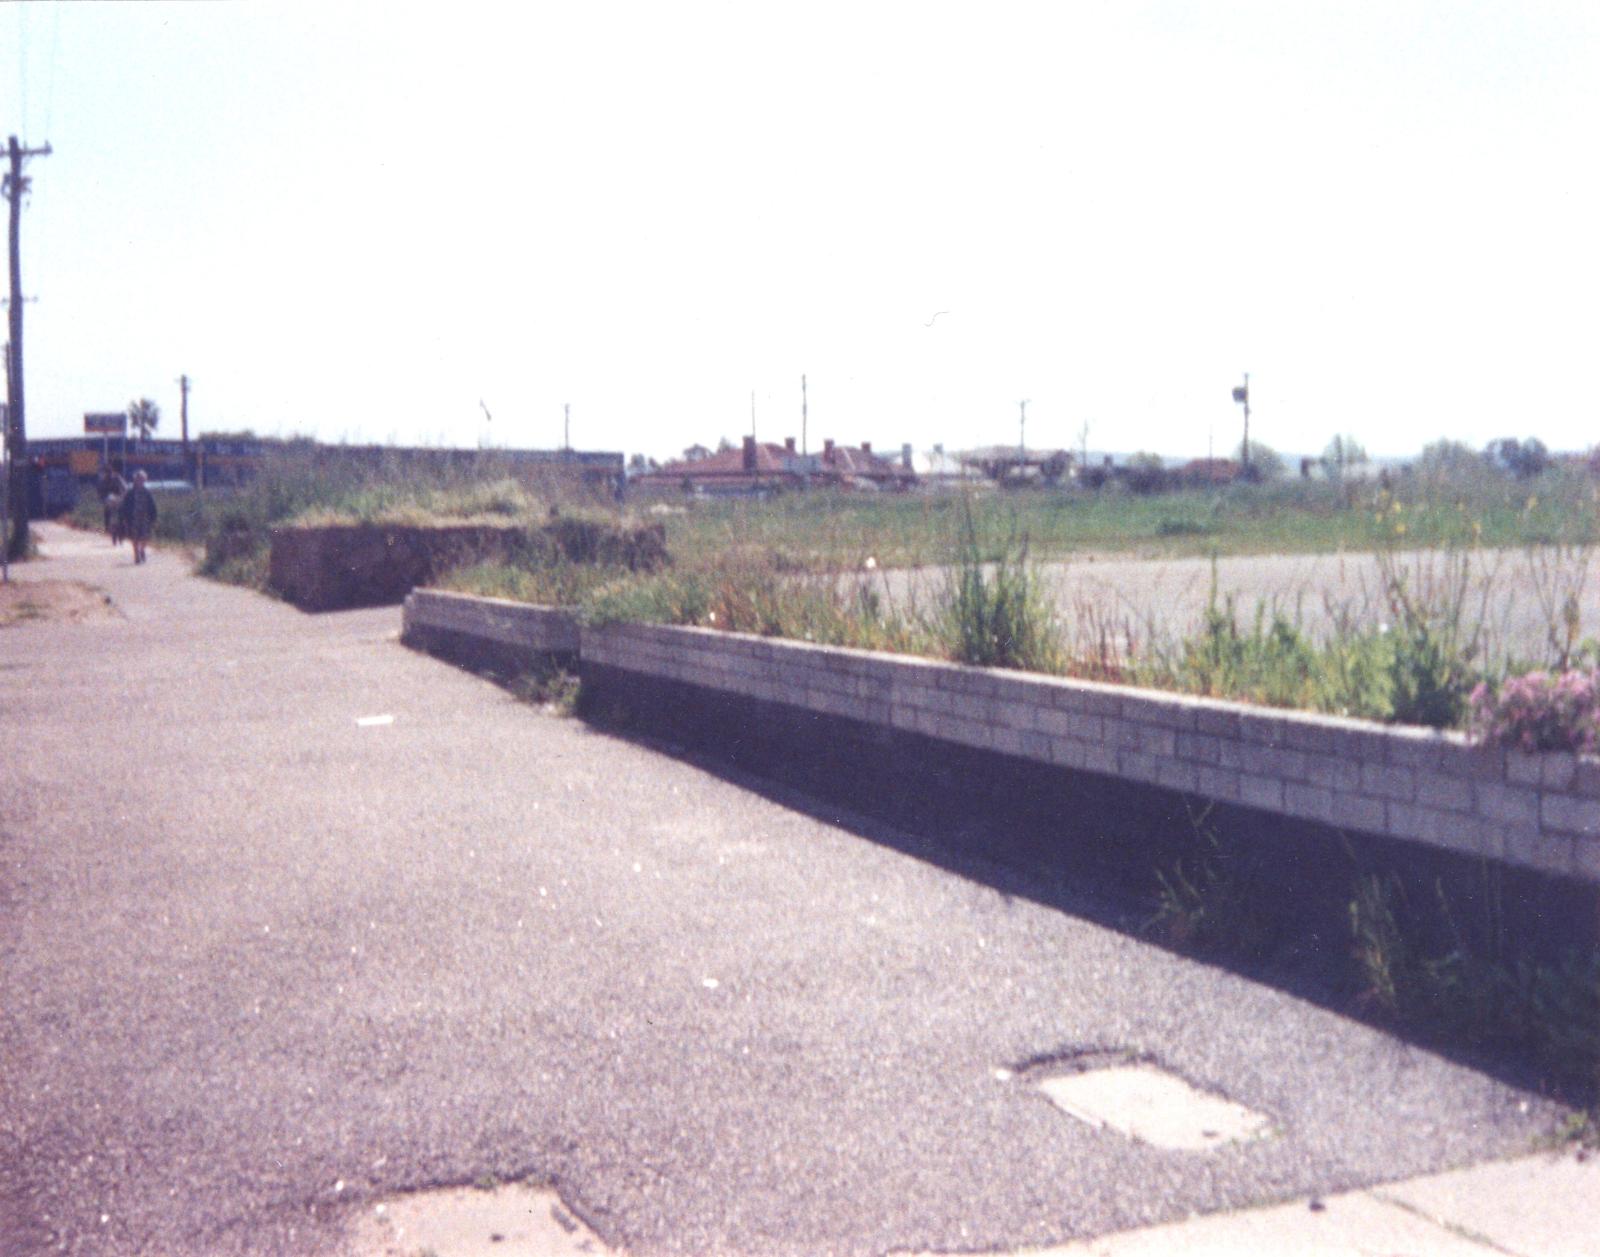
(138, 515)
(111, 487)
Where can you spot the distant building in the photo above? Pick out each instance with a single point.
(938, 468)
(1206, 471)
(762, 467)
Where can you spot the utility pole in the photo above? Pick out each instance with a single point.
(566, 427)
(1242, 396)
(752, 412)
(1022, 434)
(804, 449)
(15, 185)
(183, 414)
(5, 478)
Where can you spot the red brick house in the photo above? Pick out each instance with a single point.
(762, 467)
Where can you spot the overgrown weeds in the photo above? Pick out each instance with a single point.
(1209, 901)
(991, 610)
(1451, 970)
(1470, 987)
(754, 592)
(997, 614)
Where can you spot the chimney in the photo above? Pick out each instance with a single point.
(827, 450)
(866, 448)
(749, 453)
(788, 444)
(905, 455)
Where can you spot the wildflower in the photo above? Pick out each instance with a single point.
(871, 563)
(1541, 712)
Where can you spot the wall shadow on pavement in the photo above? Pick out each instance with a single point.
(1093, 846)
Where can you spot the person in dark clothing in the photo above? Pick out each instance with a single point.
(111, 486)
(138, 515)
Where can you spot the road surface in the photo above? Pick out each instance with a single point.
(293, 919)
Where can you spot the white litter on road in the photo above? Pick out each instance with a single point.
(368, 722)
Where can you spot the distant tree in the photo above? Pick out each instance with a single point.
(1522, 459)
(724, 445)
(1444, 458)
(1265, 462)
(144, 416)
(1146, 472)
(1344, 453)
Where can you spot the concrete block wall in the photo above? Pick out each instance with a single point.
(551, 630)
(1540, 812)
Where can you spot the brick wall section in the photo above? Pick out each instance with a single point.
(547, 629)
(1537, 811)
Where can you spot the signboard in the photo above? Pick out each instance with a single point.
(1241, 394)
(106, 425)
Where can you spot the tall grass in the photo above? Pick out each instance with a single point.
(996, 612)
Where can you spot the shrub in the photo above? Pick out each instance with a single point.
(1541, 711)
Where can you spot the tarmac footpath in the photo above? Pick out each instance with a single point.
(297, 925)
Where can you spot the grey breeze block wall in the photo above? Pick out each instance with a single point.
(1540, 811)
(546, 630)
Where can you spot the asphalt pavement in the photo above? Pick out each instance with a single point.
(293, 919)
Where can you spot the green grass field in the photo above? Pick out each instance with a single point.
(841, 530)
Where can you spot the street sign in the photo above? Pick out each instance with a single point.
(106, 425)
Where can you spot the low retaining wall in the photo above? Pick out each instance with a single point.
(489, 632)
(371, 565)
(1536, 812)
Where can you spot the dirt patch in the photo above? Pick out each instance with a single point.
(22, 602)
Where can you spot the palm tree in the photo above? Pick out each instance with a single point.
(144, 416)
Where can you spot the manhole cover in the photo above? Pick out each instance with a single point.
(1154, 1107)
(508, 1221)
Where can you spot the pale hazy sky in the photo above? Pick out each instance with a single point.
(359, 220)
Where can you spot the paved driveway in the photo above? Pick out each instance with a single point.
(263, 962)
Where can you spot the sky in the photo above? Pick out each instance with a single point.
(441, 224)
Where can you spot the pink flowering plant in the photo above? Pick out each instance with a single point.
(1541, 711)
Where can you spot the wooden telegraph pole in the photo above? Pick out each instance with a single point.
(183, 414)
(15, 185)
(1242, 396)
